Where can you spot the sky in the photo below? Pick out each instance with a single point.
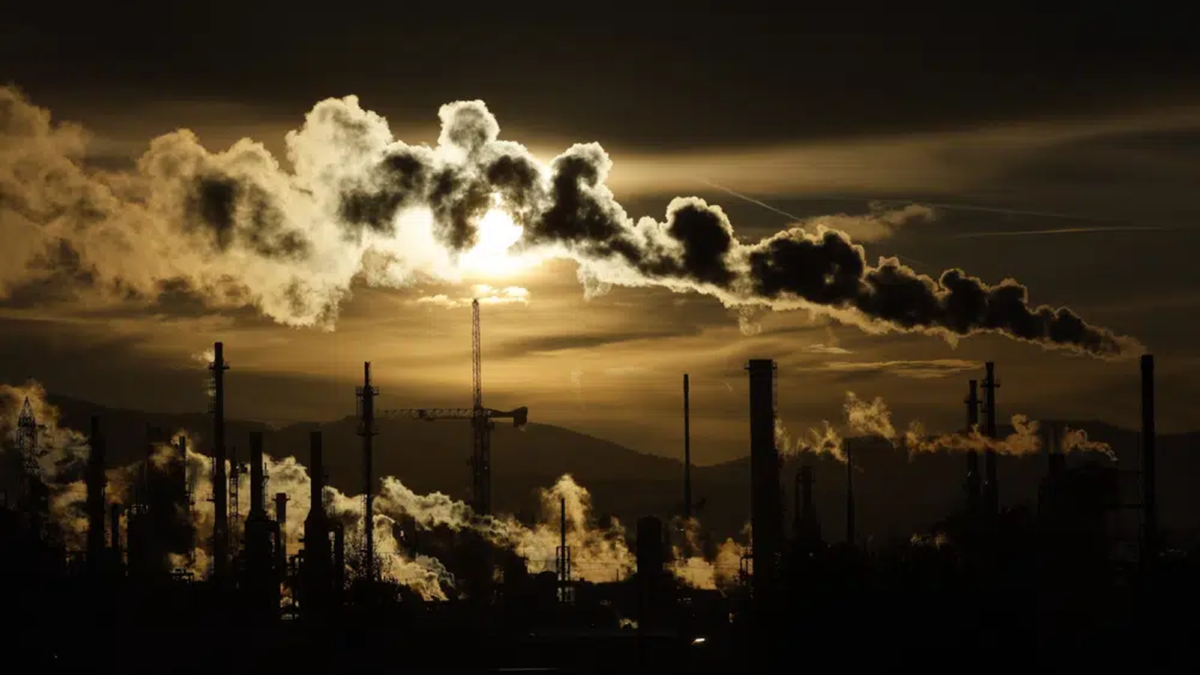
(1061, 152)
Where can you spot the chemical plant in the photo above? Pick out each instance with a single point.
(996, 585)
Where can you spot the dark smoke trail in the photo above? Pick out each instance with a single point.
(237, 229)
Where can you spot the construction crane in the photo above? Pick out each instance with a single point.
(482, 422)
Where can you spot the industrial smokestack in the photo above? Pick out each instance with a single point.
(687, 454)
(991, 487)
(1149, 462)
(316, 582)
(339, 559)
(220, 545)
(257, 479)
(261, 582)
(651, 557)
(974, 481)
(316, 503)
(95, 499)
(766, 503)
(564, 553)
(281, 500)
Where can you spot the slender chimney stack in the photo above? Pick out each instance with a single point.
(766, 505)
(220, 545)
(281, 500)
(1149, 462)
(339, 559)
(687, 455)
(973, 483)
(991, 487)
(564, 556)
(257, 478)
(95, 499)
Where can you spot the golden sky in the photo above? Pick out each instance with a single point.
(1093, 210)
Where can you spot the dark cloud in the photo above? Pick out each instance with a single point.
(215, 203)
(347, 155)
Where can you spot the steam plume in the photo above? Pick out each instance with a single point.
(874, 419)
(237, 228)
(598, 553)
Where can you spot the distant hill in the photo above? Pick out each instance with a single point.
(893, 494)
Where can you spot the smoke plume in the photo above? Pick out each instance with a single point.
(598, 553)
(238, 228)
(874, 419)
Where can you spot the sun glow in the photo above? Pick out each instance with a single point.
(490, 256)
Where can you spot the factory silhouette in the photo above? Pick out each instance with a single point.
(1063, 584)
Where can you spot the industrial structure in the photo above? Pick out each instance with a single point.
(482, 423)
(1150, 530)
(220, 545)
(991, 487)
(766, 504)
(368, 430)
(789, 585)
(974, 483)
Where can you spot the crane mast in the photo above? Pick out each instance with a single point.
(481, 426)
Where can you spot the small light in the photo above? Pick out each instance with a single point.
(698, 641)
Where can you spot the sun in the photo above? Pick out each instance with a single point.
(490, 256)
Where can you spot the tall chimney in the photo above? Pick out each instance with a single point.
(339, 559)
(766, 512)
(367, 430)
(281, 500)
(183, 491)
(973, 483)
(316, 582)
(687, 455)
(1149, 462)
(650, 560)
(991, 488)
(257, 480)
(220, 546)
(258, 536)
(95, 499)
(564, 553)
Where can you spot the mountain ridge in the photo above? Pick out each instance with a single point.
(894, 493)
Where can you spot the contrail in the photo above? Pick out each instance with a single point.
(1068, 230)
(750, 199)
(781, 212)
(895, 202)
